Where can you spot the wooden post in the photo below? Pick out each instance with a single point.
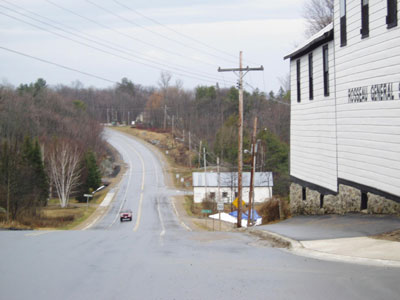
(253, 146)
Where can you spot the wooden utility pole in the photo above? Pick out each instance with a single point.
(240, 126)
(190, 151)
(205, 171)
(165, 117)
(200, 154)
(253, 167)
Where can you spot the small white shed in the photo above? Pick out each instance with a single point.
(207, 183)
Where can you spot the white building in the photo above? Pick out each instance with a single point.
(345, 112)
(207, 183)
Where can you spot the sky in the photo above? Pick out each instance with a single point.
(99, 42)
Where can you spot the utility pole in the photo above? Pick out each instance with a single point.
(108, 117)
(199, 154)
(165, 117)
(240, 125)
(219, 193)
(205, 171)
(129, 118)
(253, 162)
(190, 151)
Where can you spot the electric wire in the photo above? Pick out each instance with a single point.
(172, 30)
(127, 35)
(107, 52)
(105, 45)
(152, 31)
(59, 65)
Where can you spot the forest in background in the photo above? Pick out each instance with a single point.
(209, 114)
(51, 137)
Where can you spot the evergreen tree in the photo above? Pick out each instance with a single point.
(90, 175)
(93, 180)
(276, 155)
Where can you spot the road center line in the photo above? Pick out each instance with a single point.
(139, 214)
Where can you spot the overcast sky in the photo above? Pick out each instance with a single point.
(139, 39)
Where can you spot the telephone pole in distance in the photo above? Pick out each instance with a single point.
(240, 125)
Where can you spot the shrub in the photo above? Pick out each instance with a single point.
(270, 210)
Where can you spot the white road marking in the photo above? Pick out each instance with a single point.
(107, 199)
(177, 215)
(161, 219)
(39, 233)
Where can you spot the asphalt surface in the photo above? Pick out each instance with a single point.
(306, 228)
(154, 257)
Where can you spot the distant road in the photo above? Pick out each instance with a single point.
(154, 257)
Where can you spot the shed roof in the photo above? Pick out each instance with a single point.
(229, 179)
(321, 37)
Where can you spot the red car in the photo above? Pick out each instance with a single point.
(126, 215)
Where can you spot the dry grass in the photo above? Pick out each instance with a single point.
(177, 157)
(269, 211)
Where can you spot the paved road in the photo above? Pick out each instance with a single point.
(305, 228)
(154, 257)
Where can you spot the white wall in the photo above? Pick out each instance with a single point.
(261, 194)
(313, 124)
(369, 132)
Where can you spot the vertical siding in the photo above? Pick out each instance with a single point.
(368, 133)
(313, 124)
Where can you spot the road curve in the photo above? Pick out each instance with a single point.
(154, 257)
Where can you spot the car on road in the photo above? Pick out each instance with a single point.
(125, 215)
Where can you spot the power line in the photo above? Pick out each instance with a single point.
(171, 29)
(126, 35)
(59, 65)
(198, 77)
(181, 69)
(154, 32)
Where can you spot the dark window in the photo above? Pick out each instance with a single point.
(364, 200)
(326, 69)
(310, 76)
(391, 18)
(303, 194)
(224, 194)
(236, 194)
(212, 195)
(321, 201)
(364, 19)
(298, 80)
(343, 29)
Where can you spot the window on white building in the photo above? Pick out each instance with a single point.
(391, 18)
(326, 69)
(310, 76)
(343, 33)
(224, 194)
(298, 80)
(364, 19)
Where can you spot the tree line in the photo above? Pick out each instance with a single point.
(208, 113)
(49, 145)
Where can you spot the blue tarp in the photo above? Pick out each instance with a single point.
(254, 215)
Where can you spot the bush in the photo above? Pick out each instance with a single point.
(270, 210)
(209, 204)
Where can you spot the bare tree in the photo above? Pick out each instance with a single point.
(64, 168)
(165, 78)
(318, 13)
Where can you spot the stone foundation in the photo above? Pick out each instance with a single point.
(347, 200)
